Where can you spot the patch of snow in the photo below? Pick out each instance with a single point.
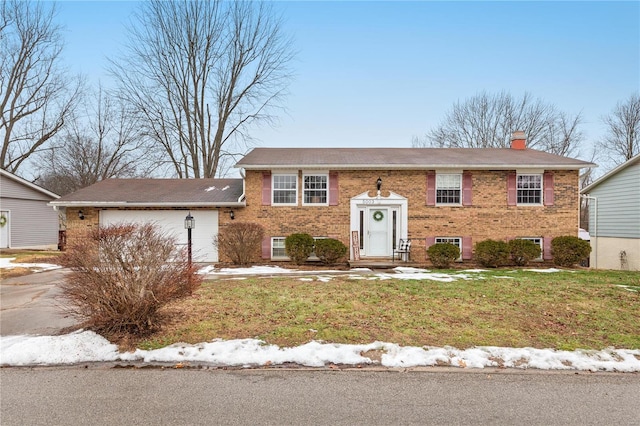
(5, 263)
(225, 188)
(211, 188)
(543, 270)
(86, 346)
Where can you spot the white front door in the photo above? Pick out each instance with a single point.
(4, 229)
(378, 243)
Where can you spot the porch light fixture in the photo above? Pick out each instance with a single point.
(232, 215)
(81, 215)
(379, 184)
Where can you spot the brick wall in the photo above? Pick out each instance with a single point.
(489, 216)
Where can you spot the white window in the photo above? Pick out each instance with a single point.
(277, 248)
(538, 241)
(315, 189)
(448, 188)
(456, 241)
(285, 189)
(529, 189)
(313, 255)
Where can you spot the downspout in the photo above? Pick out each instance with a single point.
(595, 226)
(244, 181)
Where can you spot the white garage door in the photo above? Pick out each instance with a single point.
(172, 222)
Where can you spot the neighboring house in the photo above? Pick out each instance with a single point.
(166, 202)
(614, 218)
(26, 221)
(429, 195)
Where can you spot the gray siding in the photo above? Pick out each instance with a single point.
(618, 205)
(9, 188)
(31, 223)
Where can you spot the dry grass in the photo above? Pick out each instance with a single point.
(27, 256)
(566, 310)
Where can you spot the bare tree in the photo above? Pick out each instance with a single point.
(622, 140)
(488, 121)
(36, 94)
(200, 73)
(105, 144)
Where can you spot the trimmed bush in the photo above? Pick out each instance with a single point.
(492, 253)
(122, 274)
(329, 250)
(442, 255)
(240, 242)
(298, 247)
(523, 251)
(568, 250)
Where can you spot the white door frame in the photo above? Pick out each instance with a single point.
(363, 206)
(5, 231)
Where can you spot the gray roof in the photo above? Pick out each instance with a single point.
(157, 193)
(407, 158)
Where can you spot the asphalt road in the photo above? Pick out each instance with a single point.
(29, 305)
(101, 395)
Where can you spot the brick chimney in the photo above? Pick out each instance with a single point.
(518, 140)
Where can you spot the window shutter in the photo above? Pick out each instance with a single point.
(548, 188)
(428, 243)
(266, 248)
(511, 189)
(431, 188)
(467, 183)
(333, 188)
(467, 248)
(266, 188)
(546, 248)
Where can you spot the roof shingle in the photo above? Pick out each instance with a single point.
(406, 158)
(157, 192)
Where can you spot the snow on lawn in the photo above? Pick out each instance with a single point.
(86, 346)
(6, 263)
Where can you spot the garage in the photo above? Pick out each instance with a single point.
(172, 222)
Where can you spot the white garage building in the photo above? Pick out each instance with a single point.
(165, 202)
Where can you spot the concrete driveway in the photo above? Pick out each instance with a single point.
(28, 304)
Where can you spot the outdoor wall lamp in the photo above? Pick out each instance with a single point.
(379, 184)
(81, 215)
(232, 215)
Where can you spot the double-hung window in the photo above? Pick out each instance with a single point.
(537, 241)
(277, 248)
(315, 189)
(285, 189)
(456, 241)
(529, 189)
(448, 188)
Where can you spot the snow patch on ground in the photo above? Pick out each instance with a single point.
(87, 346)
(6, 263)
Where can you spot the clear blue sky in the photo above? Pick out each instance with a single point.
(373, 74)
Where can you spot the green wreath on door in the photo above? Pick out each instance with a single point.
(3, 221)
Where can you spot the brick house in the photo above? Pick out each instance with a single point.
(370, 198)
(428, 195)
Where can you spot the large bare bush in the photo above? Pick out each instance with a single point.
(240, 242)
(122, 274)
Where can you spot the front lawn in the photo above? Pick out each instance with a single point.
(563, 310)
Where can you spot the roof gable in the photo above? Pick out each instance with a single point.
(25, 183)
(158, 192)
(407, 158)
(612, 173)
